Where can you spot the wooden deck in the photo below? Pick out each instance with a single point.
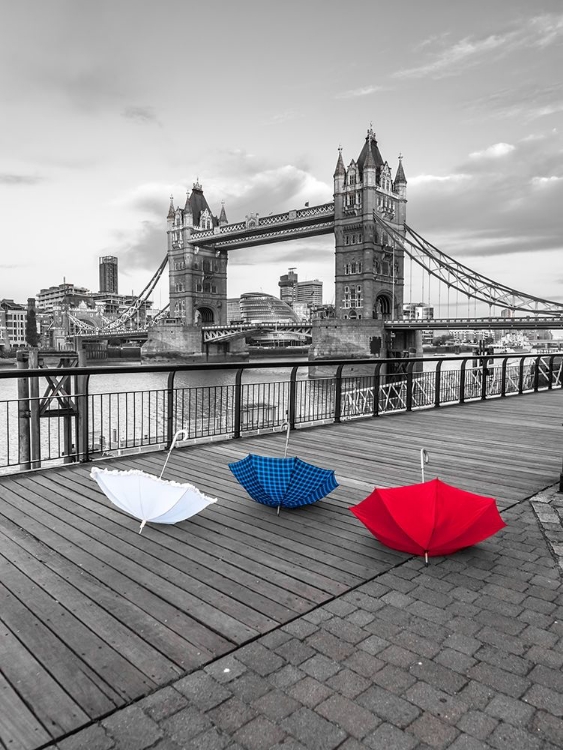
(94, 615)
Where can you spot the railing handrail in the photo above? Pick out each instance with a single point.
(89, 423)
(254, 365)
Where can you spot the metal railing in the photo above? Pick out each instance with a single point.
(62, 415)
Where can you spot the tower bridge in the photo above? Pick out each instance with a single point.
(373, 244)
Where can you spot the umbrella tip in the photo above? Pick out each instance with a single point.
(142, 526)
(426, 558)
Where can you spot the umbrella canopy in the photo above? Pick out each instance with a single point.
(283, 482)
(430, 519)
(150, 498)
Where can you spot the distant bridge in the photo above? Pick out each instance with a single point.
(497, 324)
(218, 334)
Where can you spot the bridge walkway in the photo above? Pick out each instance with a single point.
(95, 616)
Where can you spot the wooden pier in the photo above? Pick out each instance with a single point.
(93, 615)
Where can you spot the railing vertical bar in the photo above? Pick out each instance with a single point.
(438, 383)
(410, 365)
(537, 374)
(170, 408)
(462, 381)
(238, 402)
(338, 393)
(292, 397)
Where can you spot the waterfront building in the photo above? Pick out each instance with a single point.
(55, 297)
(233, 310)
(294, 291)
(258, 307)
(418, 311)
(12, 324)
(108, 274)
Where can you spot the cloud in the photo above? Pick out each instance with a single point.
(362, 91)
(19, 179)
(280, 117)
(507, 204)
(428, 179)
(140, 114)
(527, 101)
(496, 151)
(272, 189)
(537, 32)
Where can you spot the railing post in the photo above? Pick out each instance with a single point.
(170, 429)
(410, 365)
(34, 417)
(462, 371)
(238, 402)
(24, 442)
(82, 406)
(521, 375)
(503, 377)
(292, 397)
(550, 373)
(376, 387)
(483, 378)
(438, 382)
(338, 393)
(537, 374)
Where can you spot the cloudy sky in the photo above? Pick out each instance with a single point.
(108, 107)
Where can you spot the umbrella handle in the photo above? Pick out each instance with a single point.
(424, 459)
(286, 425)
(174, 439)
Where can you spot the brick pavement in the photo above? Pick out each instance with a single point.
(464, 654)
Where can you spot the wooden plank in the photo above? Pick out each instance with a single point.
(129, 552)
(119, 656)
(279, 585)
(63, 664)
(19, 728)
(53, 706)
(129, 588)
(181, 552)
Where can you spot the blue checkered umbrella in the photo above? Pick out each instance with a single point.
(283, 482)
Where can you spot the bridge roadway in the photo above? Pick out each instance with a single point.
(241, 626)
(218, 333)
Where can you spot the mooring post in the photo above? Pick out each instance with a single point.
(24, 443)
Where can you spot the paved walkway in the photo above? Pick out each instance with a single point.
(464, 654)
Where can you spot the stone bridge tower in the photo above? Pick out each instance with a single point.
(369, 268)
(197, 276)
(369, 275)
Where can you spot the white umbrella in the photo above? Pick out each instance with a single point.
(151, 498)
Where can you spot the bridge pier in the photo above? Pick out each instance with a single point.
(335, 338)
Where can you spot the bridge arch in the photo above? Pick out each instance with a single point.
(204, 315)
(382, 307)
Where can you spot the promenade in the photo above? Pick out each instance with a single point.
(242, 629)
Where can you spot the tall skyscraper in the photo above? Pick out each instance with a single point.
(108, 274)
(288, 287)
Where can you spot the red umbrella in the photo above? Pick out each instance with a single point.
(430, 519)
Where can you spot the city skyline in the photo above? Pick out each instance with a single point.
(105, 117)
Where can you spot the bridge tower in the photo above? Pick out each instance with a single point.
(369, 266)
(197, 276)
(369, 269)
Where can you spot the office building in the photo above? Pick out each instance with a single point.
(108, 274)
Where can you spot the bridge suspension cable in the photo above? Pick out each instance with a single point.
(140, 301)
(464, 279)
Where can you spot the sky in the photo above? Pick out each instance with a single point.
(109, 107)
